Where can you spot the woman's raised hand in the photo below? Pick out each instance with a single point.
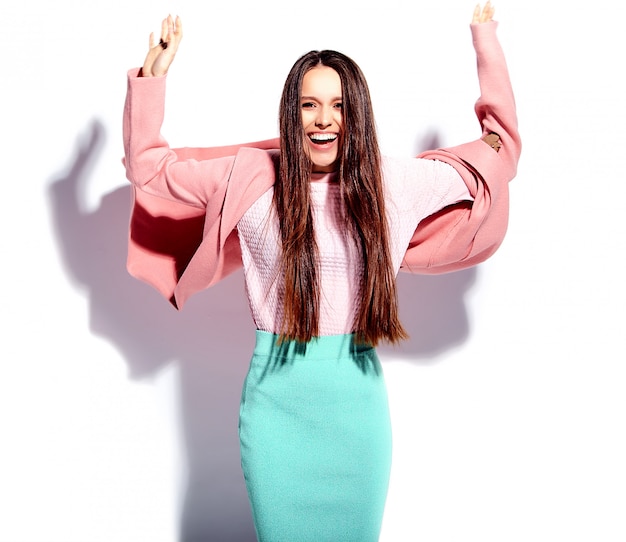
(483, 15)
(160, 55)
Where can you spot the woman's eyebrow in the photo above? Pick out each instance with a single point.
(318, 99)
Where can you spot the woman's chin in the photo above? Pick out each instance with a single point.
(325, 166)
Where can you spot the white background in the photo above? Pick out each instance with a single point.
(118, 415)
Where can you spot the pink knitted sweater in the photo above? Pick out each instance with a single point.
(414, 189)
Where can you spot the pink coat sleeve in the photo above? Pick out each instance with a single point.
(467, 233)
(182, 234)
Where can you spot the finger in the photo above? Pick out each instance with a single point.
(151, 41)
(164, 27)
(487, 12)
(476, 16)
(179, 27)
(174, 30)
(170, 28)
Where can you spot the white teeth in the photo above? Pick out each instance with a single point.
(323, 137)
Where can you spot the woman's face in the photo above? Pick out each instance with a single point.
(321, 107)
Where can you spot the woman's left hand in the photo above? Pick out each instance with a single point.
(483, 15)
(161, 55)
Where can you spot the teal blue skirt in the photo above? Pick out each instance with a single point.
(315, 439)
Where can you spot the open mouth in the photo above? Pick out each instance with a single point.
(323, 138)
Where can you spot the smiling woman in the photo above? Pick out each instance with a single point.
(327, 124)
(321, 224)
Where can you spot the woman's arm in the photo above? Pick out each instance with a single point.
(186, 202)
(187, 175)
(467, 233)
(150, 163)
(485, 15)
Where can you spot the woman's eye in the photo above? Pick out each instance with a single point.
(308, 105)
(338, 105)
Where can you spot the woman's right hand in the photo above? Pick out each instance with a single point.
(161, 55)
(484, 15)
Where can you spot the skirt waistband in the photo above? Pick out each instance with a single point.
(324, 347)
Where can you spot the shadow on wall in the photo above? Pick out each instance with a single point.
(433, 312)
(211, 339)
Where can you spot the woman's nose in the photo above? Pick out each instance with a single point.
(324, 118)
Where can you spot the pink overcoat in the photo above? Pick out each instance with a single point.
(183, 236)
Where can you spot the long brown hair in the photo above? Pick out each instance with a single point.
(360, 181)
